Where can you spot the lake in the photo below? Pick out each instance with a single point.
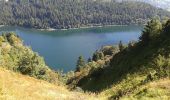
(61, 48)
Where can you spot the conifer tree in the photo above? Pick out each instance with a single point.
(80, 63)
(151, 30)
(121, 47)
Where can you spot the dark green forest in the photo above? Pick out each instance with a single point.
(59, 14)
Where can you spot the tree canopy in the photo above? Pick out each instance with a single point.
(75, 13)
(151, 30)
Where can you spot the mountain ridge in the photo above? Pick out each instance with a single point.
(165, 4)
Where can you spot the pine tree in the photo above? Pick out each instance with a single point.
(80, 63)
(121, 47)
(151, 30)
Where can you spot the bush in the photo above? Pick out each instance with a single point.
(110, 50)
(98, 55)
(162, 66)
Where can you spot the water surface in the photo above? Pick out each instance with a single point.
(61, 48)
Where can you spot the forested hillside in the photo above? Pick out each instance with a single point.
(19, 58)
(124, 72)
(61, 14)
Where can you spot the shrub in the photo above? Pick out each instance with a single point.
(97, 56)
(110, 50)
(162, 66)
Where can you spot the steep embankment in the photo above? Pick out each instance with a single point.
(132, 67)
(14, 86)
(15, 56)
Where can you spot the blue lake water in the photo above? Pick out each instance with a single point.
(61, 48)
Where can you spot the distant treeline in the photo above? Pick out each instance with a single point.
(75, 13)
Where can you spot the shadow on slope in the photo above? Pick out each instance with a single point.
(138, 60)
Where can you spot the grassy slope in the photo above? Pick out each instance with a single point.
(130, 70)
(157, 90)
(14, 86)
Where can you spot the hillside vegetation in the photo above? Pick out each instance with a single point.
(59, 14)
(14, 86)
(128, 69)
(19, 58)
(157, 90)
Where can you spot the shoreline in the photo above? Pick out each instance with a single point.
(65, 29)
(85, 27)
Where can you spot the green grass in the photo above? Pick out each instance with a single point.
(157, 90)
